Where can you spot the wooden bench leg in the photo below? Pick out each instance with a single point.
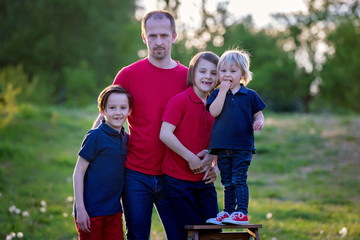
(193, 235)
(254, 232)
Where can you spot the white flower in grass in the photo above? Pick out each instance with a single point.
(17, 211)
(43, 209)
(343, 232)
(25, 214)
(268, 215)
(69, 199)
(12, 208)
(10, 236)
(273, 238)
(43, 203)
(65, 214)
(20, 235)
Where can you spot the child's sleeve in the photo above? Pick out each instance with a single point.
(211, 98)
(174, 111)
(257, 103)
(88, 148)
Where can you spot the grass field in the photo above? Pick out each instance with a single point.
(304, 181)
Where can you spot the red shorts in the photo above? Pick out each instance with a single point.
(104, 227)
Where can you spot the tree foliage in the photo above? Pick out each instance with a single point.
(50, 37)
(341, 73)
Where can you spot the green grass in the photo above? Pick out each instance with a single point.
(304, 181)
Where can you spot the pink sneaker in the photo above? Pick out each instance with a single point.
(218, 220)
(237, 218)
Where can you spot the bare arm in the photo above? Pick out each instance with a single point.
(97, 121)
(217, 105)
(258, 121)
(170, 140)
(82, 218)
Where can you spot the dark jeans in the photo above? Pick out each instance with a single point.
(233, 166)
(141, 192)
(194, 202)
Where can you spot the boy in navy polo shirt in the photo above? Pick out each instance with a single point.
(238, 112)
(99, 171)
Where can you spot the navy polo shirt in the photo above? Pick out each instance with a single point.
(233, 128)
(105, 150)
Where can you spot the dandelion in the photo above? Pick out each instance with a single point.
(269, 215)
(10, 236)
(343, 232)
(69, 199)
(43, 203)
(65, 214)
(17, 211)
(20, 235)
(43, 209)
(12, 208)
(25, 214)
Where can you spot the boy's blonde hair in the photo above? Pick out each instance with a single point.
(241, 59)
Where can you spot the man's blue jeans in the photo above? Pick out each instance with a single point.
(141, 192)
(233, 166)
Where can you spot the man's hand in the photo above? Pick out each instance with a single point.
(211, 174)
(206, 159)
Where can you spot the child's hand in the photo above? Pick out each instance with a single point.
(195, 163)
(224, 86)
(258, 125)
(83, 220)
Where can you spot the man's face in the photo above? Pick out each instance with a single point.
(159, 38)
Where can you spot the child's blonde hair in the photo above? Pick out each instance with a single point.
(241, 59)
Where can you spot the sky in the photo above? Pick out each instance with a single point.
(259, 9)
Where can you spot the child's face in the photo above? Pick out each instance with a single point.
(232, 73)
(205, 76)
(116, 110)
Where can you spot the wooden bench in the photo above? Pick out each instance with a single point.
(213, 232)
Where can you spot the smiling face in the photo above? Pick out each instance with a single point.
(116, 110)
(205, 77)
(232, 73)
(159, 38)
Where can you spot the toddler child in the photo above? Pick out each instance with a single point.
(238, 112)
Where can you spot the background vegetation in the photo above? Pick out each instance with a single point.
(304, 181)
(56, 55)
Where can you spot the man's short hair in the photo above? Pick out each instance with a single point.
(158, 14)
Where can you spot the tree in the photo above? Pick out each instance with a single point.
(52, 36)
(341, 73)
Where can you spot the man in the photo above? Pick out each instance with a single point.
(151, 81)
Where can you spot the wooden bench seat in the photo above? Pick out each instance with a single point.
(212, 232)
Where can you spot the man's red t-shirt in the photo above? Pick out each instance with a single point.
(193, 125)
(151, 88)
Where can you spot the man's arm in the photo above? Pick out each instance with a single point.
(97, 121)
